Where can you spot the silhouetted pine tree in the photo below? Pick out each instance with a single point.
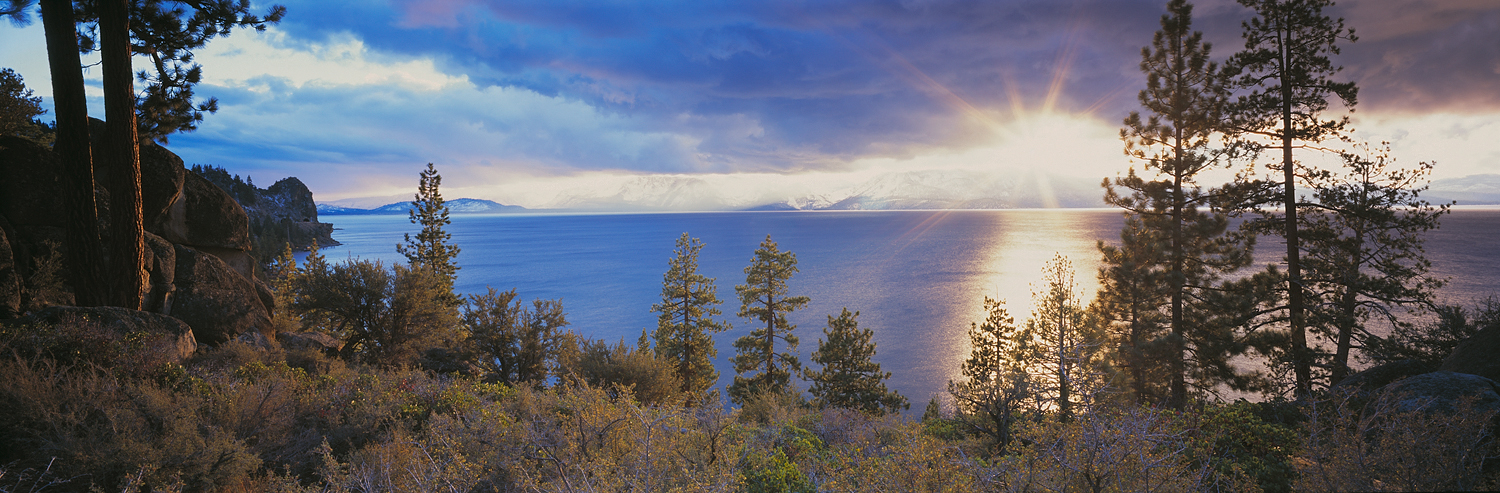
(1365, 260)
(1286, 69)
(1175, 237)
(996, 385)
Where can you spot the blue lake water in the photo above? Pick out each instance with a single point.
(918, 278)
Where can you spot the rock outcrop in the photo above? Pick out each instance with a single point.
(1376, 377)
(1441, 391)
(284, 213)
(201, 273)
(165, 337)
(1477, 355)
(316, 341)
(218, 302)
(204, 216)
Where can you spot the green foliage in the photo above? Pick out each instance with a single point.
(775, 474)
(19, 109)
(1236, 443)
(385, 317)
(1174, 246)
(431, 247)
(515, 342)
(648, 378)
(168, 33)
(849, 378)
(688, 301)
(765, 297)
(240, 418)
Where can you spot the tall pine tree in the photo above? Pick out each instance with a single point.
(1132, 292)
(688, 303)
(765, 298)
(1285, 66)
(1365, 260)
(431, 247)
(849, 378)
(1185, 98)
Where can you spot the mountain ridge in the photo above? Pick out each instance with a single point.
(455, 206)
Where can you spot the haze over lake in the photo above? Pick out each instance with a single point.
(918, 278)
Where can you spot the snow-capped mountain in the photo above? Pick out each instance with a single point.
(648, 193)
(1469, 190)
(955, 189)
(455, 206)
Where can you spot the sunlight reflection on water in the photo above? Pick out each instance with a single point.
(918, 278)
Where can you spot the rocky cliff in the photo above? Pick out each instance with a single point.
(284, 213)
(200, 270)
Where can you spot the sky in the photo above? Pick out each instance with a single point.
(530, 102)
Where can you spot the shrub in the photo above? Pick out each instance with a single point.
(1382, 447)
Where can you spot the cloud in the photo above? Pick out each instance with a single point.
(1425, 56)
(354, 96)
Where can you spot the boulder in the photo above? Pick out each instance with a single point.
(31, 183)
(10, 280)
(161, 265)
(168, 338)
(1477, 355)
(259, 341)
(204, 216)
(239, 260)
(1379, 376)
(217, 302)
(1441, 391)
(267, 297)
(310, 340)
(162, 178)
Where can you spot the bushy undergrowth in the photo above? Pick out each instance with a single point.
(241, 419)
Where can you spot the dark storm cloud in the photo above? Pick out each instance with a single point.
(1425, 56)
(765, 85)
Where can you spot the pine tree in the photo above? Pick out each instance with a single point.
(1132, 293)
(18, 105)
(849, 378)
(1364, 250)
(431, 248)
(1185, 98)
(996, 385)
(765, 297)
(688, 303)
(1286, 68)
(1068, 345)
(167, 34)
(121, 29)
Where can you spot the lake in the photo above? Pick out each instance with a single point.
(918, 278)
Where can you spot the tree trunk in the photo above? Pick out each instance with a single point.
(121, 153)
(86, 261)
(1301, 364)
(1348, 306)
